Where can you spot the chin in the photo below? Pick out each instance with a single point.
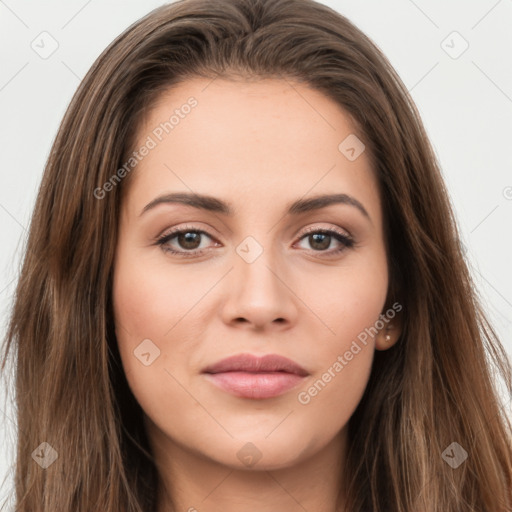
(258, 453)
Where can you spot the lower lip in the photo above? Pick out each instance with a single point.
(255, 385)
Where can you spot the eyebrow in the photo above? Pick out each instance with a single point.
(212, 204)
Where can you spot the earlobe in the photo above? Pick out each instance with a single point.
(389, 334)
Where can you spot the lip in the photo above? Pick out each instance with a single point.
(249, 376)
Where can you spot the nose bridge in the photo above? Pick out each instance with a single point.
(257, 290)
(257, 266)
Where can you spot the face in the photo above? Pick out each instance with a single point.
(245, 273)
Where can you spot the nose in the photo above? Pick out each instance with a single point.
(259, 294)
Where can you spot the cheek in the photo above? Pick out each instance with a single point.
(351, 302)
(348, 299)
(160, 310)
(335, 390)
(146, 307)
(151, 300)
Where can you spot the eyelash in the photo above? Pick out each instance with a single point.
(346, 241)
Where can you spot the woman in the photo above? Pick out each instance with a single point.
(244, 287)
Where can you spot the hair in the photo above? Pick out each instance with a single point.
(435, 386)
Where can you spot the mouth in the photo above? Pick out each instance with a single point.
(253, 377)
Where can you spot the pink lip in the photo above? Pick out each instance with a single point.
(249, 376)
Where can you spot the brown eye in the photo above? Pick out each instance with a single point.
(321, 239)
(183, 242)
(189, 239)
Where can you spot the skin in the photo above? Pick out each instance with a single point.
(259, 146)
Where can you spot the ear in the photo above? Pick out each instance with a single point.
(392, 317)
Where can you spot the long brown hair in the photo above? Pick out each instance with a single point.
(435, 387)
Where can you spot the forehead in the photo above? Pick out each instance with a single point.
(260, 142)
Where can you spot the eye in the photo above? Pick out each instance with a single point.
(188, 241)
(321, 239)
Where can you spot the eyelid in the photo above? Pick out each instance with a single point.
(300, 233)
(315, 229)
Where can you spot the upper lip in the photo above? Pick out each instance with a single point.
(254, 364)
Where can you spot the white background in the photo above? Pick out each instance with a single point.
(465, 103)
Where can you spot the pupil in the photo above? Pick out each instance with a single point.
(324, 240)
(189, 240)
